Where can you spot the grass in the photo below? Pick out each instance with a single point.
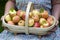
(2, 7)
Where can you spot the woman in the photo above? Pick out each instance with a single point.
(46, 4)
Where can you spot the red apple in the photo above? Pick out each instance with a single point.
(35, 17)
(36, 24)
(21, 23)
(23, 16)
(16, 19)
(10, 22)
(7, 18)
(50, 20)
(20, 13)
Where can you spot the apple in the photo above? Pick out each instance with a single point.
(12, 12)
(23, 16)
(35, 12)
(30, 14)
(10, 22)
(46, 25)
(7, 18)
(42, 21)
(20, 13)
(45, 14)
(36, 24)
(16, 19)
(35, 17)
(50, 20)
(31, 22)
(41, 26)
(21, 23)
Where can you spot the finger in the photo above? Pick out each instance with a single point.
(52, 30)
(57, 22)
(49, 33)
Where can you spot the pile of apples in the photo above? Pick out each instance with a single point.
(15, 17)
(37, 18)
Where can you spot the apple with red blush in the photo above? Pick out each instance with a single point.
(10, 22)
(35, 17)
(20, 13)
(37, 24)
(16, 19)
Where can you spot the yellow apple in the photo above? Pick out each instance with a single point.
(35, 12)
(12, 12)
(31, 22)
(35, 17)
(21, 23)
(7, 18)
(42, 21)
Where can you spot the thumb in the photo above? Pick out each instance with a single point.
(57, 22)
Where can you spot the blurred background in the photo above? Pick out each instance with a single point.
(2, 7)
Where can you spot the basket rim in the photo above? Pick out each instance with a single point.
(34, 27)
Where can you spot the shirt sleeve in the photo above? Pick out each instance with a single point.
(55, 2)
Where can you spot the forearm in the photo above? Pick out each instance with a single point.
(56, 11)
(56, 8)
(9, 4)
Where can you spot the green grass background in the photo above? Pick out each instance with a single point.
(2, 7)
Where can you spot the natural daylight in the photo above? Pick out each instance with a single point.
(29, 19)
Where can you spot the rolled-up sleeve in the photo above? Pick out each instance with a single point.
(55, 2)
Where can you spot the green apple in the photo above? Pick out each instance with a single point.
(12, 12)
(42, 21)
(7, 18)
(46, 25)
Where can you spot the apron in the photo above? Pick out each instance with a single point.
(22, 4)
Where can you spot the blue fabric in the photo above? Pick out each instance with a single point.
(6, 35)
(21, 3)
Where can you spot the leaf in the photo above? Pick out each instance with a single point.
(11, 9)
(41, 10)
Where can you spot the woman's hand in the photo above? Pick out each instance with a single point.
(55, 28)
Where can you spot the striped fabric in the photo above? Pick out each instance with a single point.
(21, 3)
(6, 35)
